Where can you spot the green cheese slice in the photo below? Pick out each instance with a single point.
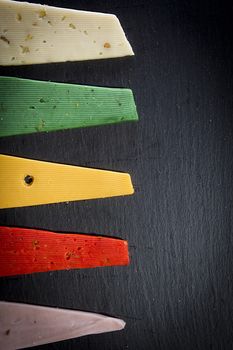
(29, 106)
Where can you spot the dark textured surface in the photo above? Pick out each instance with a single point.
(177, 292)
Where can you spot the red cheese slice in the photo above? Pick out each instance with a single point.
(24, 251)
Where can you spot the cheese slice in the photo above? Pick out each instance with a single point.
(28, 106)
(24, 325)
(25, 182)
(24, 251)
(33, 33)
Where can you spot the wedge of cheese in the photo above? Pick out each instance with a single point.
(33, 33)
(28, 106)
(24, 325)
(25, 182)
(24, 251)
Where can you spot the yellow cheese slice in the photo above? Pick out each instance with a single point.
(25, 182)
(33, 33)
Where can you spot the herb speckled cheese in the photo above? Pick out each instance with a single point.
(33, 33)
(33, 249)
(28, 106)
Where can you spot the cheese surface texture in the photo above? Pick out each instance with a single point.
(28, 106)
(32, 33)
(42, 251)
(24, 325)
(25, 182)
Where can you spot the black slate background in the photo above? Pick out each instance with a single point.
(177, 292)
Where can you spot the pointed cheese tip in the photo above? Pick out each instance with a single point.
(128, 48)
(131, 188)
(127, 260)
(119, 324)
(108, 324)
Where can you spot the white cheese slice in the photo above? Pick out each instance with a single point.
(33, 33)
(24, 325)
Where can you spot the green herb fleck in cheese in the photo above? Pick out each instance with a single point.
(3, 38)
(25, 49)
(71, 25)
(42, 13)
(19, 17)
(28, 37)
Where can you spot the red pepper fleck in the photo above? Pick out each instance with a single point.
(107, 46)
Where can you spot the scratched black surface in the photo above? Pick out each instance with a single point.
(177, 292)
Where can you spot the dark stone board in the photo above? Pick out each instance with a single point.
(177, 291)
